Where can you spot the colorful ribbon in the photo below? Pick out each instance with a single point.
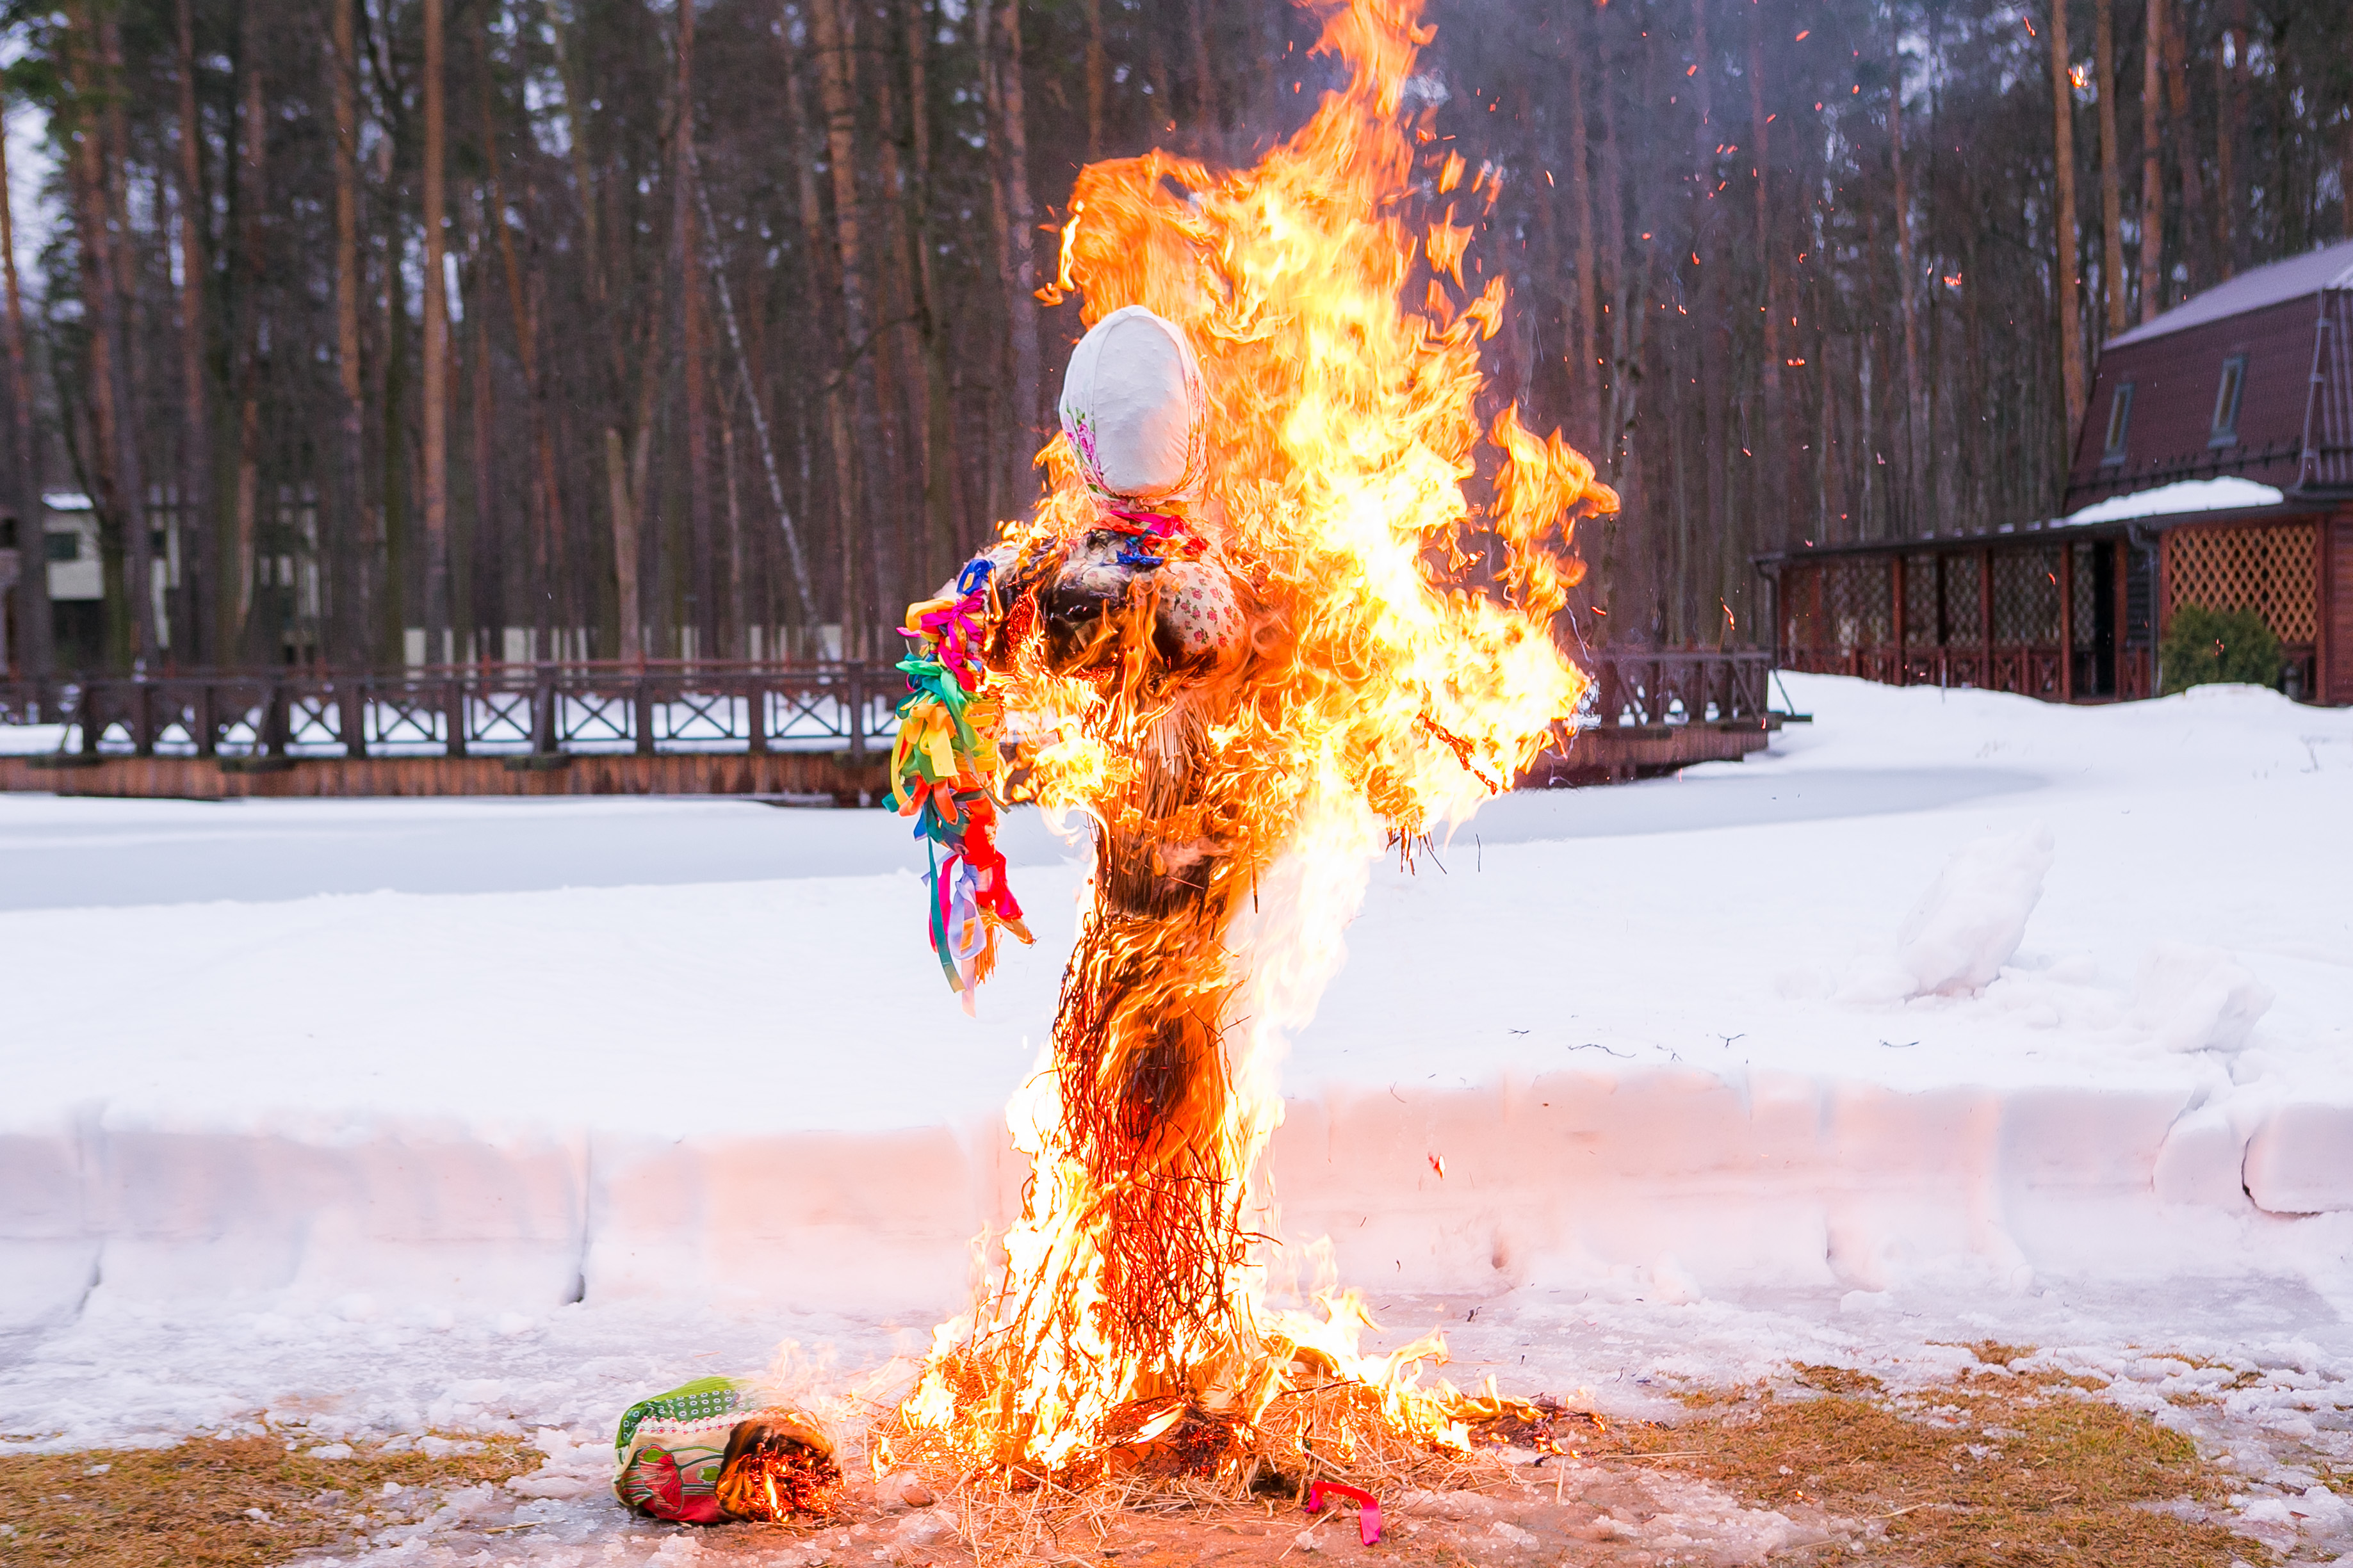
(942, 769)
(1139, 526)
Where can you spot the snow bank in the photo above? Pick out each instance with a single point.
(1969, 923)
(1597, 1042)
(2198, 998)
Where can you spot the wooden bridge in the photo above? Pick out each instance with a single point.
(809, 733)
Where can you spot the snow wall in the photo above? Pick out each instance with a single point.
(1671, 1185)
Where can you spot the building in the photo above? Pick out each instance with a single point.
(2214, 468)
(73, 553)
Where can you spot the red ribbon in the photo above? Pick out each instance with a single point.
(1368, 1507)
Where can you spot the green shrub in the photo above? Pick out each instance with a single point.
(2203, 647)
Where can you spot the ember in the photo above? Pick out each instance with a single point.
(1250, 672)
(771, 1475)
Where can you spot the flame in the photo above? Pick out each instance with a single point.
(1402, 667)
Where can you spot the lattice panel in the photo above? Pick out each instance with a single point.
(1962, 627)
(2026, 596)
(2273, 572)
(2087, 609)
(1858, 603)
(1797, 599)
(1920, 601)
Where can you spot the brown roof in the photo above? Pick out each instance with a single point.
(2298, 278)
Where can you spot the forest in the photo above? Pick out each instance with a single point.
(385, 331)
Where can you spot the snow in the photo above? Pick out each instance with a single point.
(2225, 493)
(1967, 926)
(1954, 1014)
(30, 740)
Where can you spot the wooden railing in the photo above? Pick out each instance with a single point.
(512, 709)
(523, 710)
(1662, 686)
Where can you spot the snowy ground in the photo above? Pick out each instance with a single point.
(393, 1116)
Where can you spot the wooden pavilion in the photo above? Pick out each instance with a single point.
(2214, 468)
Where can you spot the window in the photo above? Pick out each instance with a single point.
(2120, 424)
(2226, 401)
(64, 546)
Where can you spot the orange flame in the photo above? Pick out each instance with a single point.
(1406, 669)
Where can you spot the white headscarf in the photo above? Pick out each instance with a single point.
(1134, 409)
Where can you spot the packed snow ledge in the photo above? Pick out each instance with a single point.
(1954, 1014)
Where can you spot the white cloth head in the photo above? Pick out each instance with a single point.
(1134, 409)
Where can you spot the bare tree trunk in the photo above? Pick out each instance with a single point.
(361, 542)
(1098, 78)
(399, 537)
(621, 502)
(487, 612)
(2230, 108)
(739, 646)
(2112, 221)
(1586, 382)
(149, 631)
(195, 420)
(703, 612)
(114, 405)
(1155, 64)
(835, 89)
(1906, 296)
(1777, 486)
(1209, 137)
(1623, 348)
(252, 200)
(941, 550)
(546, 526)
(1710, 542)
(2197, 237)
(34, 640)
(2152, 173)
(437, 348)
(899, 250)
(816, 248)
(1020, 267)
(2062, 133)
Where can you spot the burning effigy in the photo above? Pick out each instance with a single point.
(1258, 632)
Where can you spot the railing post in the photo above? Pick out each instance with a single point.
(542, 712)
(93, 717)
(642, 713)
(207, 736)
(453, 700)
(351, 700)
(142, 717)
(856, 700)
(274, 720)
(755, 715)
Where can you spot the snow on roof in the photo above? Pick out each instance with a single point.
(2224, 494)
(65, 500)
(2330, 267)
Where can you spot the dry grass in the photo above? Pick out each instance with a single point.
(1995, 1469)
(209, 1503)
(1837, 1379)
(2008, 1471)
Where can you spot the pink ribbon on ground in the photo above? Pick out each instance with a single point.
(1368, 1507)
